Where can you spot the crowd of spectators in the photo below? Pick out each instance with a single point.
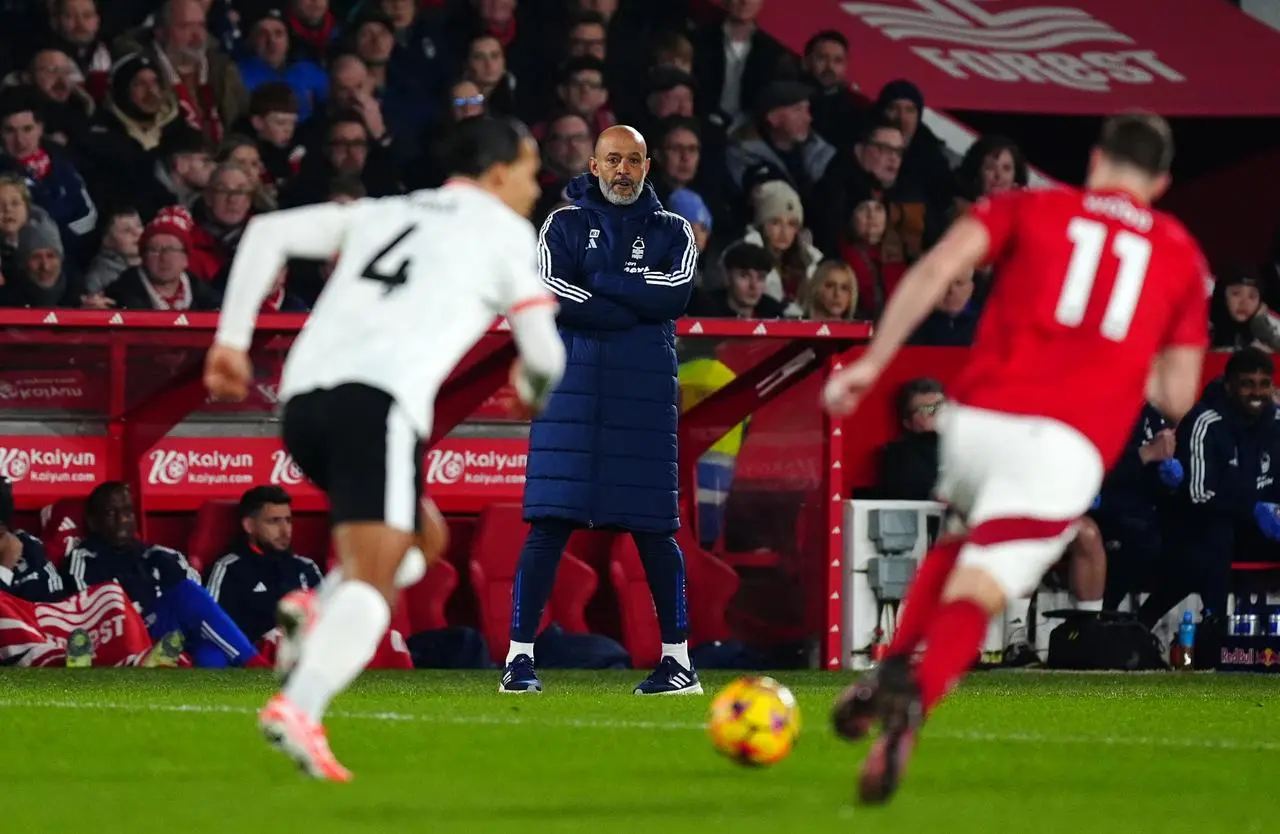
(139, 137)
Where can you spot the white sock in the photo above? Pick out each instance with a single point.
(332, 580)
(678, 652)
(518, 649)
(339, 646)
(1089, 605)
(412, 568)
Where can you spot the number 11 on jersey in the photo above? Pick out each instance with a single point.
(1089, 238)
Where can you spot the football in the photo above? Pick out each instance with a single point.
(754, 721)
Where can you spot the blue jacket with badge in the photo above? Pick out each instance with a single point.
(603, 453)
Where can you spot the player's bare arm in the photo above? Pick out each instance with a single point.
(961, 249)
(314, 232)
(1174, 384)
(541, 364)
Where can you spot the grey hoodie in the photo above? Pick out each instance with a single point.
(104, 270)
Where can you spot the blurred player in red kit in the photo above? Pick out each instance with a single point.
(1098, 301)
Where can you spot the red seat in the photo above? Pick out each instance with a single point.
(640, 632)
(495, 552)
(62, 527)
(216, 525)
(424, 602)
(710, 587)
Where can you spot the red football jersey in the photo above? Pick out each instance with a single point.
(1089, 287)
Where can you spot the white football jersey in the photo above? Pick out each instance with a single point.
(419, 280)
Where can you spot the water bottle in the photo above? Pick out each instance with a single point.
(1184, 656)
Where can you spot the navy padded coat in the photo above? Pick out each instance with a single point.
(603, 453)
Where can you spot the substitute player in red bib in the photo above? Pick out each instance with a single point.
(1098, 301)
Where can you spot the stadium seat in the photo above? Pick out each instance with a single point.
(711, 586)
(62, 527)
(424, 603)
(495, 551)
(216, 524)
(640, 633)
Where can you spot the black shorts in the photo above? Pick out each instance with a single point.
(356, 443)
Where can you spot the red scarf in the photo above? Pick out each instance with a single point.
(319, 37)
(37, 165)
(204, 118)
(177, 301)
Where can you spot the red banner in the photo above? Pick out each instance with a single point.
(1193, 57)
(44, 390)
(181, 473)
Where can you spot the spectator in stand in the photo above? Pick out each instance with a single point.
(566, 154)
(313, 29)
(120, 250)
(588, 36)
(183, 165)
(243, 151)
(273, 117)
(221, 215)
(831, 293)
(348, 151)
(582, 91)
(77, 30)
(603, 453)
(678, 157)
(269, 60)
(55, 184)
(260, 567)
(837, 114)
(16, 211)
(158, 580)
(1235, 305)
(25, 572)
(65, 105)
(161, 282)
(923, 189)
(406, 99)
(351, 91)
(1226, 510)
(136, 118)
(464, 101)
(781, 137)
(43, 278)
(992, 165)
(909, 465)
(210, 93)
(672, 50)
(423, 50)
(954, 321)
(1134, 497)
(690, 205)
(734, 61)
(875, 256)
(486, 67)
(745, 267)
(524, 36)
(877, 160)
(779, 229)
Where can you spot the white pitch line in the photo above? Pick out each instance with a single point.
(607, 724)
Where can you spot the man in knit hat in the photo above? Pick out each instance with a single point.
(42, 281)
(924, 185)
(161, 282)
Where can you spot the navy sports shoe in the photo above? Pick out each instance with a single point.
(520, 677)
(670, 678)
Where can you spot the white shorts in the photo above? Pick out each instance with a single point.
(1020, 484)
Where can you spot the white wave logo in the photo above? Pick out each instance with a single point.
(14, 464)
(1015, 45)
(8, 391)
(167, 467)
(284, 470)
(445, 467)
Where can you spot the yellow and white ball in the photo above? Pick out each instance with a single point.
(754, 721)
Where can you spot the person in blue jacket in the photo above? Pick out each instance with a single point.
(1226, 510)
(1134, 499)
(603, 453)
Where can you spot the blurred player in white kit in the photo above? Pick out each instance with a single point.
(419, 280)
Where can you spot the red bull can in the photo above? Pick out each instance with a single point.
(1273, 624)
(1244, 625)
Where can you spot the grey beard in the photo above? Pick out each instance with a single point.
(618, 199)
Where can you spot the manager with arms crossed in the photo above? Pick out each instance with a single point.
(603, 453)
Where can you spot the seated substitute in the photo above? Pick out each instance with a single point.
(261, 567)
(24, 570)
(163, 587)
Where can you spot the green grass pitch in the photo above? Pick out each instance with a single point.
(156, 751)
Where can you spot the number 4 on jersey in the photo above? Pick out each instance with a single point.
(1088, 237)
(380, 265)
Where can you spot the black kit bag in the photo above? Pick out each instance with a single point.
(1096, 640)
